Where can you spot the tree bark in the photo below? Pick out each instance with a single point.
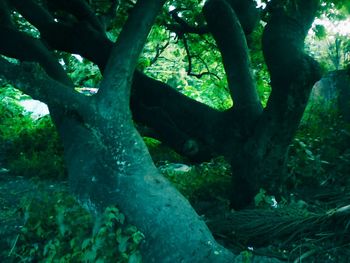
(110, 165)
(262, 159)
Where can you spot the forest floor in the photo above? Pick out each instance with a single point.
(15, 192)
(314, 227)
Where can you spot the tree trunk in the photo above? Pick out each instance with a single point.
(261, 160)
(109, 164)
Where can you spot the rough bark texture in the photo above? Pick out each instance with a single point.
(229, 36)
(293, 75)
(111, 165)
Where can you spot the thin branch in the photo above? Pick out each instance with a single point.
(81, 10)
(5, 15)
(189, 58)
(159, 50)
(207, 67)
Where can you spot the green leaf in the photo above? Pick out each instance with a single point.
(85, 243)
(135, 258)
(89, 256)
(123, 243)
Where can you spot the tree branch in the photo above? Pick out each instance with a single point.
(81, 10)
(191, 116)
(33, 12)
(125, 53)
(31, 49)
(5, 16)
(159, 50)
(189, 58)
(77, 38)
(247, 14)
(32, 80)
(225, 27)
(283, 44)
(182, 27)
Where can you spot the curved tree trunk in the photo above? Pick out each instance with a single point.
(262, 159)
(109, 164)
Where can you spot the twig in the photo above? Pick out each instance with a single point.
(14, 245)
(160, 50)
(189, 70)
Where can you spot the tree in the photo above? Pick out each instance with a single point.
(108, 162)
(253, 139)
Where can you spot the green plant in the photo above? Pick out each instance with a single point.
(161, 153)
(28, 147)
(57, 229)
(247, 256)
(209, 179)
(36, 151)
(319, 154)
(12, 119)
(263, 200)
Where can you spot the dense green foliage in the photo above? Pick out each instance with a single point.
(199, 182)
(31, 147)
(320, 155)
(57, 229)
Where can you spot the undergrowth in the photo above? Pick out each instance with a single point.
(29, 147)
(57, 229)
(320, 154)
(207, 180)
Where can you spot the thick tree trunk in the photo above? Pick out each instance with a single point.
(261, 160)
(109, 164)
